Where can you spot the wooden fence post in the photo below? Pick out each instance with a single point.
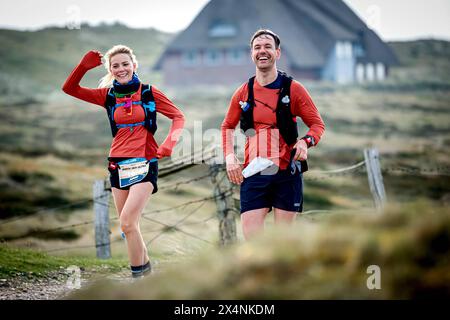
(372, 159)
(224, 201)
(101, 209)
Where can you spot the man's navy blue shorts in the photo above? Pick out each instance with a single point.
(282, 190)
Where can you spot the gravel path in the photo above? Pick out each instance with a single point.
(22, 287)
(56, 285)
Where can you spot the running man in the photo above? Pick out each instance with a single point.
(267, 107)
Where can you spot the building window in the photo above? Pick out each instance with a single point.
(344, 50)
(358, 50)
(381, 71)
(360, 73)
(348, 50)
(222, 30)
(190, 58)
(370, 72)
(235, 56)
(339, 50)
(213, 57)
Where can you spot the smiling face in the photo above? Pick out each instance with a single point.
(264, 52)
(122, 67)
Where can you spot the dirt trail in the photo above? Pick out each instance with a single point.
(57, 285)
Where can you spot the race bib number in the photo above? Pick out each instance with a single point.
(132, 171)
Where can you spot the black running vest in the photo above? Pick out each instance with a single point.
(286, 122)
(147, 102)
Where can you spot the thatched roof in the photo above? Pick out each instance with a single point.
(308, 29)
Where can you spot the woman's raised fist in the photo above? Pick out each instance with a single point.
(92, 59)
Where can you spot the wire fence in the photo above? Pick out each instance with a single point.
(144, 215)
(165, 229)
(313, 175)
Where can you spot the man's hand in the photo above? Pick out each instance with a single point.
(301, 150)
(234, 169)
(92, 59)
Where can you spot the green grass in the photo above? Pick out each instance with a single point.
(31, 263)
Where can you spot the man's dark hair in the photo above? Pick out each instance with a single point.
(262, 32)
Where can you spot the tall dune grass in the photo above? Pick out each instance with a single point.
(327, 260)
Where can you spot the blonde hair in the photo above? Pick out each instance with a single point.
(108, 79)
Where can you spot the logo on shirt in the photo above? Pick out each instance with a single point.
(286, 99)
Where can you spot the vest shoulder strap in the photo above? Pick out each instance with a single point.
(286, 122)
(286, 82)
(147, 94)
(251, 95)
(149, 105)
(110, 98)
(110, 105)
(284, 74)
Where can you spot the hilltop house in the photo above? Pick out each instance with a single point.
(320, 39)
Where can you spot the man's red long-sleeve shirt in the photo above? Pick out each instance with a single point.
(268, 142)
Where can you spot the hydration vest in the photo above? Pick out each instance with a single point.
(147, 102)
(286, 122)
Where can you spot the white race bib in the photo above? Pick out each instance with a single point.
(132, 171)
(256, 165)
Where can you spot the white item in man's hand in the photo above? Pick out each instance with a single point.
(256, 165)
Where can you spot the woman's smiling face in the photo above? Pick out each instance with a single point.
(122, 67)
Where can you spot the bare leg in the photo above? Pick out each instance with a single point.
(129, 222)
(120, 196)
(253, 222)
(284, 217)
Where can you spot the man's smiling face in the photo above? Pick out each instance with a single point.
(264, 52)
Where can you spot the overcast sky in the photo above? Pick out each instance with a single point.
(391, 19)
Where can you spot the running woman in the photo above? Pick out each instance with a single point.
(133, 158)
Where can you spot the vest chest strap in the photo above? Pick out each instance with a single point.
(130, 125)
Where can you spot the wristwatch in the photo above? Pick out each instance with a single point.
(309, 141)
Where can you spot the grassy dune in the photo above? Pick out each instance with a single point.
(325, 258)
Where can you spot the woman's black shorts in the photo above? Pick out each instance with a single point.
(152, 175)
